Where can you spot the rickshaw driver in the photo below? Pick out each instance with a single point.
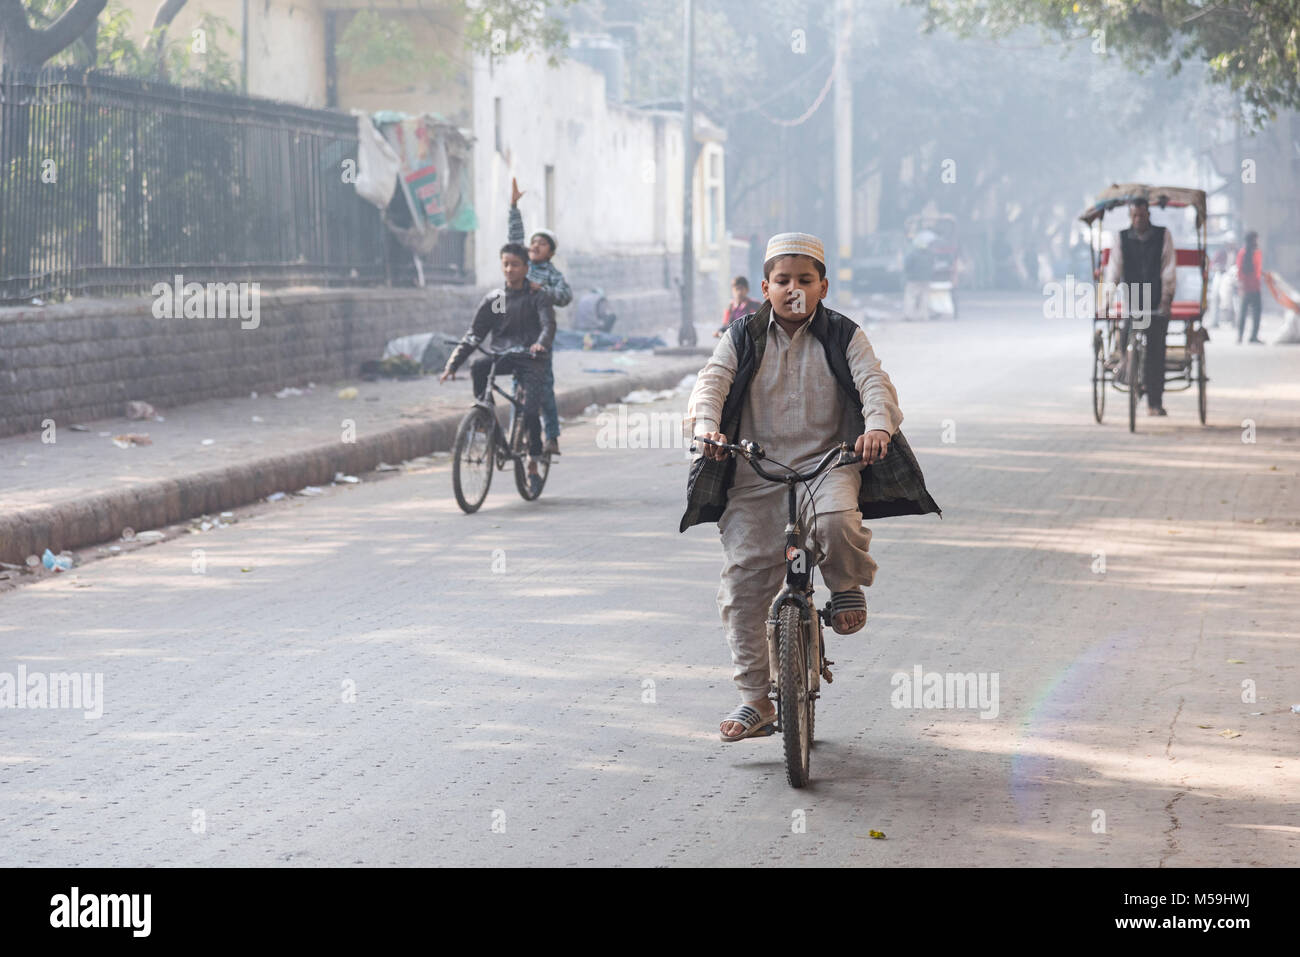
(1144, 254)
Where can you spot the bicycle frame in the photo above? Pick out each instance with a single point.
(501, 444)
(798, 588)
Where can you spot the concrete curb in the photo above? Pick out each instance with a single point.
(100, 517)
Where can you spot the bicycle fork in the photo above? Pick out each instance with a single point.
(797, 591)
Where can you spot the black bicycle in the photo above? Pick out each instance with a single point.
(482, 445)
(796, 655)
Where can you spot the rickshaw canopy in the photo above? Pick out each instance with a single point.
(1121, 194)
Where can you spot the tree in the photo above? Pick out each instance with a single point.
(377, 38)
(25, 47)
(499, 27)
(157, 42)
(1011, 137)
(1250, 46)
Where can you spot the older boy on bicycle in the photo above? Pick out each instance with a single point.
(516, 316)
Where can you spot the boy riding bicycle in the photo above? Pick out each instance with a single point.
(516, 316)
(797, 378)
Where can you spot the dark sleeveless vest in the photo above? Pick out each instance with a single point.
(892, 486)
(1142, 265)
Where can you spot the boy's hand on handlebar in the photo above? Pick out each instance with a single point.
(712, 451)
(872, 446)
(536, 347)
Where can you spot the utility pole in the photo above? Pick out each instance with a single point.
(686, 335)
(843, 148)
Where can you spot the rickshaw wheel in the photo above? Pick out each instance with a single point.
(1200, 387)
(1098, 376)
(1134, 379)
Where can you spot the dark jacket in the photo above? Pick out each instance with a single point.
(514, 318)
(892, 486)
(1142, 262)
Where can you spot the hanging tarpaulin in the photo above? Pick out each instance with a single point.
(434, 158)
(377, 165)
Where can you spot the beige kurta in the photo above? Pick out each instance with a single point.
(796, 410)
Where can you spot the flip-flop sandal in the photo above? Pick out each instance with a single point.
(756, 725)
(842, 601)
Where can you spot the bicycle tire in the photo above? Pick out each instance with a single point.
(1098, 377)
(519, 447)
(1135, 373)
(795, 700)
(1202, 400)
(478, 422)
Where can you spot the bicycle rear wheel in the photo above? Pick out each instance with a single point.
(795, 702)
(472, 455)
(519, 446)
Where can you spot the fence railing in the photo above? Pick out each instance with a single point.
(110, 184)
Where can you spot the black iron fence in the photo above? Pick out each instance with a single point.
(110, 184)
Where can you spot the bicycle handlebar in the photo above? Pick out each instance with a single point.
(494, 353)
(752, 452)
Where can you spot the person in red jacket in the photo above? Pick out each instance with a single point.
(739, 307)
(1250, 266)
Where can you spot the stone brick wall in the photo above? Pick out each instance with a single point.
(642, 289)
(84, 360)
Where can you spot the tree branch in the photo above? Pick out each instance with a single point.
(14, 28)
(167, 11)
(63, 31)
(157, 44)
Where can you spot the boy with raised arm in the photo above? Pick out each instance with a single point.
(797, 378)
(543, 277)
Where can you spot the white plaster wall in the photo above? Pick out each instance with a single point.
(607, 181)
(286, 42)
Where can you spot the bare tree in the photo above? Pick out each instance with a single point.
(22, 46)
(162, 19)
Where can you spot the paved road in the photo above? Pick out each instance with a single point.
(353, 679)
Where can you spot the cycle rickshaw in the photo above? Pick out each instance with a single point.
(1185, 360)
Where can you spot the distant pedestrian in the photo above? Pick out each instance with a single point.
(1250, 266)
(918, 274)
(739, 307)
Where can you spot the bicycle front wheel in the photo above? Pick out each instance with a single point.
(1201, 379)
(1098, 376)
(472, 455)
(795, 701)
(1135, 380)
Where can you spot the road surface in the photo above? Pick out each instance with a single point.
(371, 677)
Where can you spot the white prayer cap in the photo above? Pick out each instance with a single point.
(795, 244)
